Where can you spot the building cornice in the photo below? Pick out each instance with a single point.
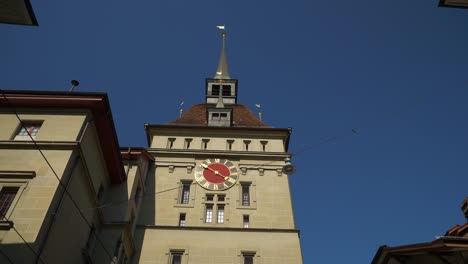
(217, 229)
(97, 103)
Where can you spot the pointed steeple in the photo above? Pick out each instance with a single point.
(222, 72)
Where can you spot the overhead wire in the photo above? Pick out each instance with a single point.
(6, 256)
(24, 240)
(56, 175)
(325, 141)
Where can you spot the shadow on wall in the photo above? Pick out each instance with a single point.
(147, 212)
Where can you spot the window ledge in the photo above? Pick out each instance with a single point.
(6, 225)
(247, 207)
(184, 205)
(17, 174)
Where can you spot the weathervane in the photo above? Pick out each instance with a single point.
(259, 111)
(181, 109)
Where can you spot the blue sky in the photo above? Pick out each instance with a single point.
(395, 72)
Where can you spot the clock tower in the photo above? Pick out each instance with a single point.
(218, 191)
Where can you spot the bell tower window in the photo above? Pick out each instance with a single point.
(227, 88)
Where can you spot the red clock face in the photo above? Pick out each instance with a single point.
(216, 174)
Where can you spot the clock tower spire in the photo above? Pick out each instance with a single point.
(222, 72)
(221, 90)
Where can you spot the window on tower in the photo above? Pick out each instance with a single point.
(220, 214)
(245, 221)
(226, 90)
(209, 213)
(247, 145)
(229, 144)
(176, 256)
(188, 141)
(245, 194)
(215, 208)
(215, 89)
(170, 143)
(182, 219)
(185, 193)
(248, 257)
(264, 145)
(205, 143)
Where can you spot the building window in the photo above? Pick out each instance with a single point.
(28, 127)
(187, 143)
(209, 213)
(7, 196)
(219, 116)
(246, 145)
(182, 219)
(245, 221)
(229, 144)
(205, 143)
(170, 143)
(216, 202)
(248, 257)
(220, 214)
(216, 87)
(226, 90)
(264, 145)
(245, 194)
(185, 194)
(176, 257)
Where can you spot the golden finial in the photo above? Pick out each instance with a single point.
(181, 111)
(259, 113)
(222, 72)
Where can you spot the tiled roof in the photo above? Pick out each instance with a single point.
(458, 231)
(197, 115)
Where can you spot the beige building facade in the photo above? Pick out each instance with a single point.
(64, 195)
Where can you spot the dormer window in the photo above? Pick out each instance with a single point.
(219, 117)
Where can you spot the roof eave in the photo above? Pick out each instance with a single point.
(97, 103)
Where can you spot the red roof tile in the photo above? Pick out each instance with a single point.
(458, 231)
(197, 115)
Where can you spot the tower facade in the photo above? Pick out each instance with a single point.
(220, 191)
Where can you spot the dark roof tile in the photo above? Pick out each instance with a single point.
(197, 115)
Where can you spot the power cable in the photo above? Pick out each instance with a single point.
(24, 240)
(56, 175)
(126, 201)
(6, 256)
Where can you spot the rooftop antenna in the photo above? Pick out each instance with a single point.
(259, 111)
(74, 83)
(181, 109)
